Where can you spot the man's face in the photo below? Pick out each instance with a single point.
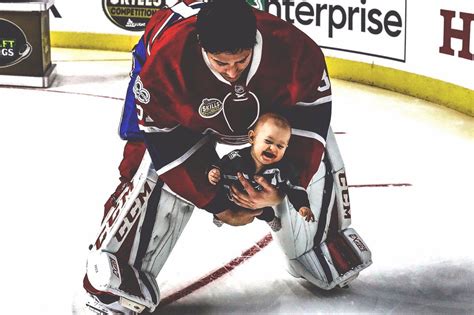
(269, 142)
(229, 65)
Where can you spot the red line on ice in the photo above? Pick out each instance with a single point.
(66, 92)
(219, 272)
(380, 185)
(85, 94)
(249, 253)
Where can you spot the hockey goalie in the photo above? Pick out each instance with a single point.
(203, 74)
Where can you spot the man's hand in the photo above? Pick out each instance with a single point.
(253, 199)
(238, 217)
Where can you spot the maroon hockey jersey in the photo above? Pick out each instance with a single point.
(184, 106)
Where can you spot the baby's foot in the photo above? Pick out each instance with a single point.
(275, 224)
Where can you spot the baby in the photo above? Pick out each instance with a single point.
(265, 157)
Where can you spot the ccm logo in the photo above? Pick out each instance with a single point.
(358, 242)
(129, 219)
(341, 177)
(113, 263)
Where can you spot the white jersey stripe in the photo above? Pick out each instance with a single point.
(157, 33)
(184, 10)
(257, 56)
(319, 101)
(184, 157)
(153, 129)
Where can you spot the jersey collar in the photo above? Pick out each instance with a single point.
(256, 58)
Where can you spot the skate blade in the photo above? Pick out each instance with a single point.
(131, 305)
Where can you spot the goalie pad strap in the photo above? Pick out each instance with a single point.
(324, 264)
(325, 204)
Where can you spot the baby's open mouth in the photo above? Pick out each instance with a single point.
(268, 154)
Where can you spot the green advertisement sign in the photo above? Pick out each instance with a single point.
(133, 15)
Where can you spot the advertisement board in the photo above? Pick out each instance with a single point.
(132, 15)
(25, 50)
(432, 40)
(372, 28)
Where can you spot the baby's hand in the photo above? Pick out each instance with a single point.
(307, 214)
(214, 176)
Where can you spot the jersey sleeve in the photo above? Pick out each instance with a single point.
(310, 114)
(291, 186)
(228, 165)
(157, 25)
(128, 128)
(180, 158)
(298, 198)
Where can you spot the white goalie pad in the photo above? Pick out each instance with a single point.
(137, 290)
(323, 252)
(296, 236)
(336, 262)
(136, 238)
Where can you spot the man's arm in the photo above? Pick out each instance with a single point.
(309, 118)
(298, 198)
(180, 158)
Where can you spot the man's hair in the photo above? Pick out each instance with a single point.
(278, 120)
(226, 26)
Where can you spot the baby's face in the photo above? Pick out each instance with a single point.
(269, 142)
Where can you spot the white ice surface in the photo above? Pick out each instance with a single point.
(58, 163)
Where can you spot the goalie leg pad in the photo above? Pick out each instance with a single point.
(172, 215)
(326, 252)
(296, 236)
(136, 238)
(137, 290)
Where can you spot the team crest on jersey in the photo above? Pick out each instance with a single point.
(239, 89)
(210, 107)
(140, 92)
(241, 109)
(232, 155)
